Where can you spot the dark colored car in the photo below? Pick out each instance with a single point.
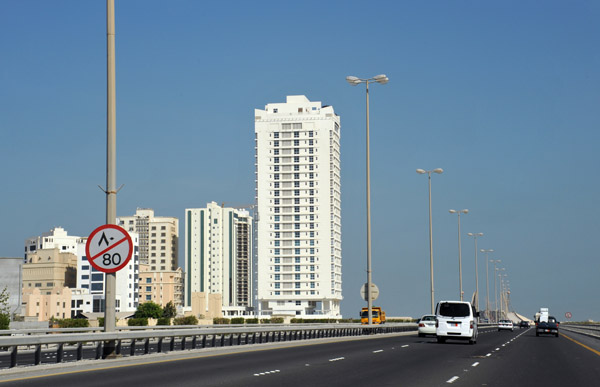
(523, 324)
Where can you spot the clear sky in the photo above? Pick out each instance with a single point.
(503, 95)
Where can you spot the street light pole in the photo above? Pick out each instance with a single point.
(495, 261)
(465, 211)
(475, 235)
(487, 284)
(438, 171)
(381, 79)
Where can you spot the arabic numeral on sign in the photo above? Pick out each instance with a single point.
(111, 259)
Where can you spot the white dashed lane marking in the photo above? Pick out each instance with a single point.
(404, 346)
(475, 364)
(267, 373)
(452, 379)
(379, 350)
(337, 359)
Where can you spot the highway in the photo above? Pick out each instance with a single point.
(498, 359)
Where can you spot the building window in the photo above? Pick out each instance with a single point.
(148, 297)
(296, 159)
(276, 160)
(275, 134)
(297, 268)
(277, 268)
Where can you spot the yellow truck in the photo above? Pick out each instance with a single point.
(377, 317)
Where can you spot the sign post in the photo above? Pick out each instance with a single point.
(109, 249)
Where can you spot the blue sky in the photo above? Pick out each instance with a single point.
(503, 95)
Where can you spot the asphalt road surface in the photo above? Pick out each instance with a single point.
(516, 358)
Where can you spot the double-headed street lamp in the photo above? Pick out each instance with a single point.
(496, 273)
(381, 79)
(487, 283)
(438, 171)
(465, 211)
(475, 235)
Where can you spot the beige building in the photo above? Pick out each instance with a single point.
(208, 305)
(158, 238)
(42, 305)
(160, 286)
(48, 269)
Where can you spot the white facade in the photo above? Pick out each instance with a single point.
(299, 260)
(93, 280)
(158, 237)
(218, 251)
(55, 238)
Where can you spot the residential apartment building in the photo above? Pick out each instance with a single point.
(49, 269)
(55, 238)
(218, 251)
(161, 287)
(45, 305)
(299, 260)
(158, 237)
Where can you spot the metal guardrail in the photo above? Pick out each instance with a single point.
(189, 338)
(592, 330)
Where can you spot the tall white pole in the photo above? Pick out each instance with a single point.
(476, 276)
(431, 246)
(368, 292)
(459, 260)
(111, 163)
(487, 283)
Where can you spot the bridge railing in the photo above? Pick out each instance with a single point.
(588, 329)
(186, 337)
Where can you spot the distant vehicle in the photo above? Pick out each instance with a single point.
(550, 327)
(523, 324)
(505, 325)
(456, 320)
(377, 316)
(427, 325)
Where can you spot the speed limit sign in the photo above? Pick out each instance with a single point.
(109, 248)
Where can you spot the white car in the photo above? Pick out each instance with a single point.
(505, 325)
(456, 320)
(427, 325)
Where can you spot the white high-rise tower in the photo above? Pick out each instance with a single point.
(299, 256)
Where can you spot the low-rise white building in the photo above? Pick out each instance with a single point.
(55, 238)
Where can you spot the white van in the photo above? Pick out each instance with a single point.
(455, 320)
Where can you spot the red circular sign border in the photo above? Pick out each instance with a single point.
(96, 231)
